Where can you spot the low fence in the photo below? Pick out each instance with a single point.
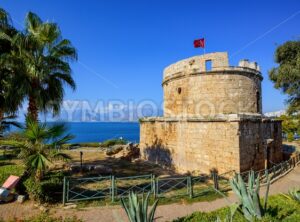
(276, 171)
(113, 188)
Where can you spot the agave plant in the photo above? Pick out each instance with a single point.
(293, 195)
(229, 217)
(137, 210)
(249, 198)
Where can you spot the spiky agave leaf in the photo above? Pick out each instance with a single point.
(293, 195)
(152, 211)
(137, 210)
(256, 199)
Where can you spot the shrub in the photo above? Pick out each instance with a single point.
(91, 144)
(48, 190)
(290, 137)
(113, 142)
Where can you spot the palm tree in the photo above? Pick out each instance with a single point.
(42, 58)
(10, 99)
(42, 146)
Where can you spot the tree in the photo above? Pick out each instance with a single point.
(286, 76)
(42, 146)
(290, 125)
(42, 59)
(10, 99)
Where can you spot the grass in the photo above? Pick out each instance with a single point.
(10, 169)
(120, 168)
(209, 195)
(280, 209)
(44, 218)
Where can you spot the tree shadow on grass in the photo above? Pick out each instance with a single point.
(6, 163)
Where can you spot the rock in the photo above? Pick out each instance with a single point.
(21, 198)
(70, 206)
(131, 152)
(114, 149)
(128, 152)
(43, 209)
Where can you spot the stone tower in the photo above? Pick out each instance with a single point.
(212, 118)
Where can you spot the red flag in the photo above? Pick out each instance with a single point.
(199, 43)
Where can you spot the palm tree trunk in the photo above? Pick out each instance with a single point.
(1, 114)
(32, 108)
(39, 175)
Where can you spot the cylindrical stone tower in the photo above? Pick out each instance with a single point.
(207, 86)
(212, 118)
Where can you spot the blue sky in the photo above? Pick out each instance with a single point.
(123, 46)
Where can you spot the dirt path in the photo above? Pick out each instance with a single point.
(164, 212)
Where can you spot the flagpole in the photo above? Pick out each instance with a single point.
(204, 47)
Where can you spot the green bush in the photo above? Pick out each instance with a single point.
(48, 190)
(290, 137)
(113, 142)
(280, 209)
(91, 144)
(10, 169)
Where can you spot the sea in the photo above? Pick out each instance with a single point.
(101, 131)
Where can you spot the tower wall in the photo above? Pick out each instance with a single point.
(191, 90)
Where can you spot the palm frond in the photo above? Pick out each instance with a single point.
(32, 22)
(60, 156)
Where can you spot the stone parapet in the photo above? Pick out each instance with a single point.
(217, 118)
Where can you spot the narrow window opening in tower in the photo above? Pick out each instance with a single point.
(208, 65)
(179, 90)
(258, 102)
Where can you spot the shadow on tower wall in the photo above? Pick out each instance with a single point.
(159, 154)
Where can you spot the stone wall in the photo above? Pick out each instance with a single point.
(253, 143)
(191, 146)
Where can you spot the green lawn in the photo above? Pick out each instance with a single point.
(9, 169)
(280, 209)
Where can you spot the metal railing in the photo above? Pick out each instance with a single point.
(113, 188)
(276, 171)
